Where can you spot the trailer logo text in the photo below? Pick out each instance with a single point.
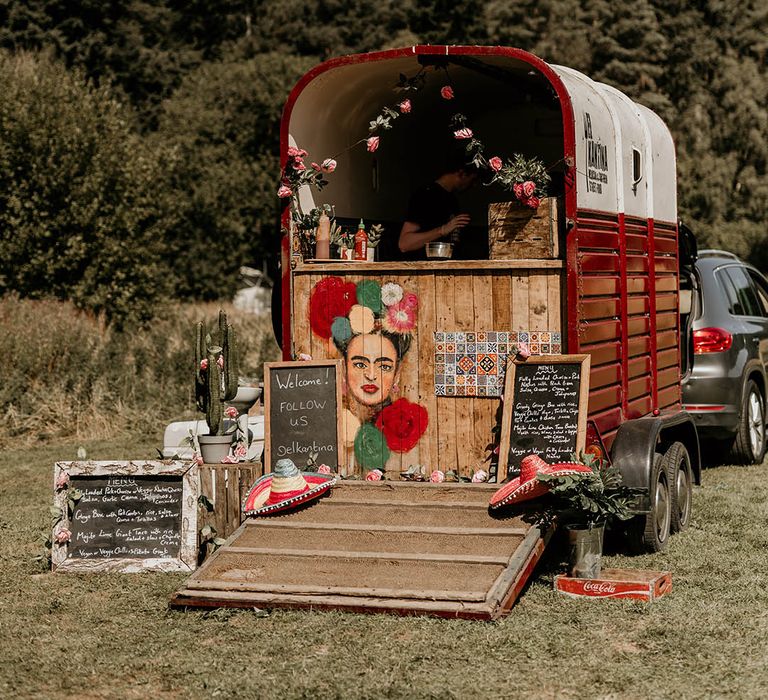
(597, 159)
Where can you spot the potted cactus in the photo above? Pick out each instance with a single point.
(216, 378)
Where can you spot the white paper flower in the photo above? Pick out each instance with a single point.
(391, 293)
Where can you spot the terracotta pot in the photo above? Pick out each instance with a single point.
(213, 448)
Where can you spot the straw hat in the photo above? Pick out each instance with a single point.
(285, 488)
(526, 486)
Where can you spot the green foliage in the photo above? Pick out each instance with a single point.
(81, 208)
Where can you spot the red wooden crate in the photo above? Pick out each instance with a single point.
(618, 583)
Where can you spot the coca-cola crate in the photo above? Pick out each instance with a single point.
(617, 583)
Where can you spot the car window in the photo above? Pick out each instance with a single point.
(762, 291)
(742, 296)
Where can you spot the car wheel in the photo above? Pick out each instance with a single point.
(650, 532)
(749, 444)
(680, 478)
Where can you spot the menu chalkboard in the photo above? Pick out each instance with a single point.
(125, 516)
(545, 407)
(302, 403)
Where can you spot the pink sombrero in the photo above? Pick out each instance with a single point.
(285, 488)
(526, 486)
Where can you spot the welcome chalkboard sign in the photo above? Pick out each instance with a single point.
(302, 406)
(545, 409)
(125, 516)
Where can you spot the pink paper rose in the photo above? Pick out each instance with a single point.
(528, 188)
(284, 191)
(323, 469)
(437, 477)
(303, 357)
(63, 536)
(480, 476)
(532, 202)
(315, 166)
(197, 459)
(230, 412)
(220, 361)
(463, 133)
(241, 450)
(62, 481)
(292, 152)
(523, 350)
(229, 459)
(374, 475)
(204, 363)
(329, 165)
(405, 106)
(372, 144)
(495, 163)
(517, 188)
(298, 165)
(446, 92)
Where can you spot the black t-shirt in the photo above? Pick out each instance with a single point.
(429, 207)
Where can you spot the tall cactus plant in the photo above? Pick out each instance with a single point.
(216, 372)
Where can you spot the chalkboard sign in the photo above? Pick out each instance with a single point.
(125, 516)
(545, 409)
(302, 405)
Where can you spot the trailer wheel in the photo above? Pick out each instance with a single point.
(650, 532)
(749, 444)
(680, 478)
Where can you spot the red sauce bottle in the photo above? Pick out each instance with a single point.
(361, 243)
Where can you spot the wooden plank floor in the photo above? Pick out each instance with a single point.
(396, 547)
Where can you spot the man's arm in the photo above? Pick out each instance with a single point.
(413, 238)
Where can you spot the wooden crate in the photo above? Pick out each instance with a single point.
(225, 486)
(618, 583)
(518, 232)
(396, 547)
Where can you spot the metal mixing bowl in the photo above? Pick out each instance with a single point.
(439, 249)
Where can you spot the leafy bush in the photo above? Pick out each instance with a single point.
(81, 213)
(73, 375)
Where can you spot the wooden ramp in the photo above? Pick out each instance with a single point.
(397, 547)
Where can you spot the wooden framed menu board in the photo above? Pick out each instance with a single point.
(545, 409)
(125, 516)
(302, 408)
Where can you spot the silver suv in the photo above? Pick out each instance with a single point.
(724, 303)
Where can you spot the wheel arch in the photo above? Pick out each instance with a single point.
(637, 441)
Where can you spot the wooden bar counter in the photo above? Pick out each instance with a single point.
(452, 296)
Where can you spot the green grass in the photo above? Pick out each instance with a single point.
(112, 635)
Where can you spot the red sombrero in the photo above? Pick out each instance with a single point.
(285, 488)
(526, 486)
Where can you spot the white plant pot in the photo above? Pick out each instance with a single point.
(213, 448)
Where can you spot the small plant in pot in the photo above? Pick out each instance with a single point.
(216, 379)
(583, 503)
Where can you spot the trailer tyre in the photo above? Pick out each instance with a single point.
(749, 444)
(650, 532)
(680, 478)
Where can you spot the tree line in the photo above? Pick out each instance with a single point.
(139, 138)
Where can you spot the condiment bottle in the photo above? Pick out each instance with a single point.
(361, 243)
(323, 237)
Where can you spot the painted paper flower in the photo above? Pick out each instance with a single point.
(411, 301)
(341, 329)
(399, 318)
(446, 92)
(63, 536)
(204, 363)
(402, 423)
(323, 469)
(62, 481)
(331, 297)
(480, 476)
(372, 144)
(528, 188)
(241, 450)
(523, 350)
(405, 106)
(230, 412)
(369, 294)
(464, 133)
(284, 191)
(391, 293)
(371, 451)
(361, 319)
(495, 163)
(437, 477)
(328, 165)
(374, 475)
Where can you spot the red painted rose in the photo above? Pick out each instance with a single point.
(330, 297)
(402, 424)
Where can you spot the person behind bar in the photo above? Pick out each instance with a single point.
(433, 210)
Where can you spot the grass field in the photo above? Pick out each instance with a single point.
(112, 635)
